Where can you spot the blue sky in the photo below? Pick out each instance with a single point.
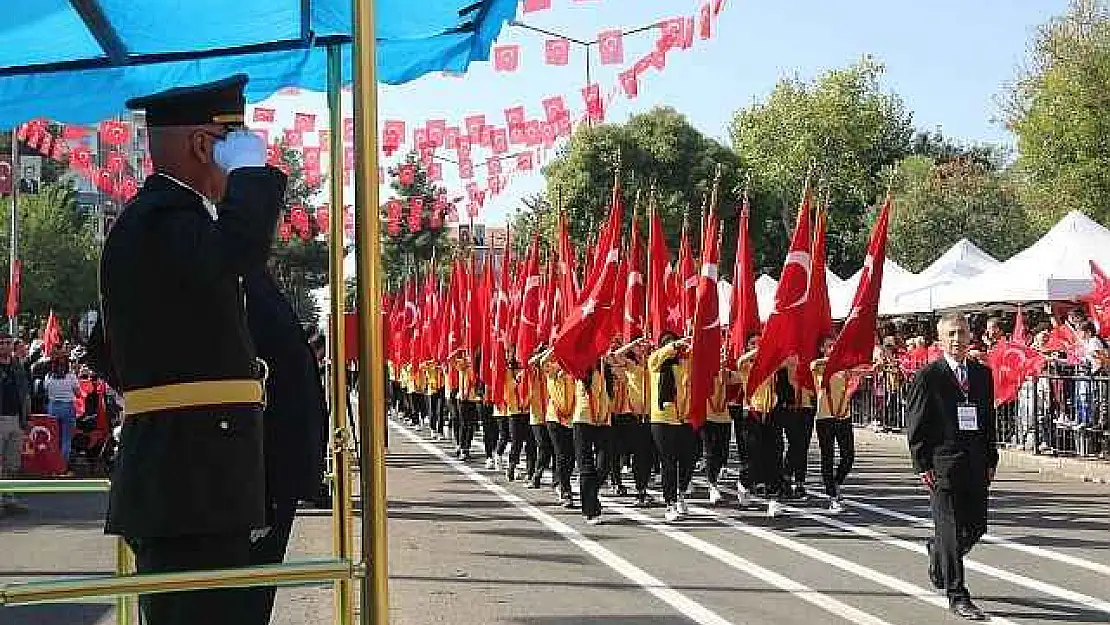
(949, 60)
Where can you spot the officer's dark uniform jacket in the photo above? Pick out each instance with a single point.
(173, 310)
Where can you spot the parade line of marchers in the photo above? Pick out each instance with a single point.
(612, 370)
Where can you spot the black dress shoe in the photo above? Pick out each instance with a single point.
(934, 571)
(964, 608)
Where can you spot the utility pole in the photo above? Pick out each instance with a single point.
(13, 242)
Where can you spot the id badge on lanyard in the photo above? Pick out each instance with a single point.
(968, 417)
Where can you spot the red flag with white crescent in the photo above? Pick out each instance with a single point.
(705, 349)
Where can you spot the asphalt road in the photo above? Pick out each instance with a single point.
(468, 548)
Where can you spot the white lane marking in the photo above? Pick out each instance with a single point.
(1001, 541)
(1078, 598)
(917, 592)
(799, 590)
(680, 602)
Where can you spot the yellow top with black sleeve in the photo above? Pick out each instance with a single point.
(419, 379)
(618, 401)
(466, 380)
(560, 395)
(537, 397)
(831, 403)
(716, 410)
(670, 410)
(763, 399)
(635, 388)
(433, 379)
(803, 397)
(591, 405)
(511, 404)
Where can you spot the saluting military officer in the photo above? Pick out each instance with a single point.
(189, 484)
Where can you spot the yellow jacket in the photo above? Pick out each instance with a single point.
(635, 385)
(466, 380)
(560, 395)
(433, 380)
(511, 405)
(831, 404)
(716, 410)
(672, 412)
(591, 406)
(537, 396)
(763, 399)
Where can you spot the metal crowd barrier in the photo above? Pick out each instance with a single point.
(1054, 414)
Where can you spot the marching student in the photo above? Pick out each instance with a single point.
(674, 438)
(433, 398)
(468, 399)
(591, 437)
(537, 412)
(634, 435)
(795, 416)
(761, 436)
(517, 420)
(716, 432)
(834, 428)
(560, 410)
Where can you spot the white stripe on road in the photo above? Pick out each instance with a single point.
(1002, 541)
(680, 602)
(799, 590)
(1077, 598)
(921, 594)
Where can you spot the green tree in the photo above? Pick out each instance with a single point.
(299, 261)
(59, 255)
(844, 127)
(657, 149)
(937, 204)
(1057, 107)
(405, 246)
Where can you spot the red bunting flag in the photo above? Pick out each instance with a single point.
(517, 135)
(293, 138)
(435, 171)
(348, 158)
(437, 130)
(514, 117)
(466, 169)
(499, 141)
(532, 136)
(855, 344)
(717, 6)
(630, 83)
(493, 166)
(406, 174)
(557, 51)
(672, 35)
(304, 122)
(312, 161)
(115, 162)
(563, 127)
(595, 109)
(705, 24)
(506, 58)
(115, 133)
(262, 114)
(555, 107)
(531, 6)
(322, 221)
(416, 214)
(547, 133)
(285, 231)
(474, 125)
(74, 133)
(524, 161)
(393, 135)
(610, 45)
(420, 138)
(451, 138)
(298, 218)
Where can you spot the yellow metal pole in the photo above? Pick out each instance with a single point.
(375, 585)
(125, 604)
(342, 516)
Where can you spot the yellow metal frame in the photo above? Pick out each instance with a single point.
(342, 570)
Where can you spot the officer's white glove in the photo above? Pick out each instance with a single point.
(259, 534)
(241, 148)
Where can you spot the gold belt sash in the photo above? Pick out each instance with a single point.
(193, 395)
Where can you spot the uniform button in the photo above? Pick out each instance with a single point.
(224, 424)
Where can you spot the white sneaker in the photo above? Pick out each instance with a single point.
(774, 509)
(490, 464)
(672, 514)
(835, 506)
(742, 495)
(594, 520)
(714, 495)
(683, 509)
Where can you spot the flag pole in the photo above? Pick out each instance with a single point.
(375, 552)
(13, 244)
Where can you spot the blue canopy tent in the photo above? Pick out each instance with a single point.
(78, 61)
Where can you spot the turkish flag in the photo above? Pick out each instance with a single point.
(595, 107)
(437, 129)
(506, 58)
(304, 122)
(435, 171)
(451, 138)
(536, 5)
(1011, 362)
(406, 173)
(819, 325)
(555, 107)
(322, 214)
(499, 332)
(785, 334)
(610, 45)
(630, 83)
(524, 161)
(705, 348)
(659, 258)
(51, 334)
(531, 299)
(115, 162)
(293, 138)
(744, 317)
(474, 124)
(499, 141)
(312, 160)
(514, 117)
(1098, 300)
(856, 343)
(557, 51)
(634, 291)
(687, 281)
(705, 22)
(262, 114)
(14, 287)
(466, 169)
(584, 335)
(393, 134)
(568, 275)
(493, 166)
(673, 33)
(115, 133)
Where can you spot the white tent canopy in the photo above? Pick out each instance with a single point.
(919, 294)
(764, 295)
(1057, 267)
(841, 296)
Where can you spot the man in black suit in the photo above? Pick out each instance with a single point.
(295, 423)
(189, 485)
(951, 432)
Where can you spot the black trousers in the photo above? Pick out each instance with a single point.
(798, 427)
(631, 440)
(763, 439)
(435, 411)
(959, 507)
(468, 419)
(233, 606)
(490, 429)
(677, 445)
(521, 437)
(562, 440)
(454, 415)
(270, 549)
(545, 451)
(715, 438)
(591, 449)
(833, 434)
(743, 452)
(504, 434)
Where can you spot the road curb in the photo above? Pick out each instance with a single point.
(1097, 471)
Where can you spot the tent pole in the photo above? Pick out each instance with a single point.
(372, 424)
(342, 491)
